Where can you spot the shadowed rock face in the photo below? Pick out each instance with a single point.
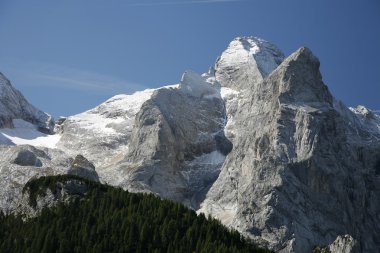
(25, 155)
(257, 142)
(26, 158)
(83, 168)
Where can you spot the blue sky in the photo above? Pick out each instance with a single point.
(68, 56)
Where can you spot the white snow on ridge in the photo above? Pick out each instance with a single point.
(213, 158)
(196, 85)
(228, 93)
(118, 110)
(369, 120)
(25, 133)
(247, 49)
(366, 113)
(360, 109)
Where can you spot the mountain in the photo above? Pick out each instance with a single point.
(13, 105)
(304, 169)
(258, 142)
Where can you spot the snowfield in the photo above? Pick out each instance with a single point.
(25, 133)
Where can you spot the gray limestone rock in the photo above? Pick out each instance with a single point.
(300, 173)
(14, 176)
(344, 244)
(58, 127)
(27, 156)
(103, 133)
(195, 85)
(174, 130)
(247, 60)
(83, 168)
(176, 144)
(62, 192)
(13, 105)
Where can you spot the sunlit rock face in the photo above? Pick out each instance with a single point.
(258, 142)
(303, 168)
(13, 105)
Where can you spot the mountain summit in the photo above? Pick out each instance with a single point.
(258, 142)
(13, 105)
(247, 60)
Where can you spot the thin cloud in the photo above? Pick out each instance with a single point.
(77, 82)
(58, 76)
(183, 2)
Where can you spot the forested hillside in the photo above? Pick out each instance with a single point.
(108, 219)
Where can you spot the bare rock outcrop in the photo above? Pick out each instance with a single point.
(300, 173)
(13, 105)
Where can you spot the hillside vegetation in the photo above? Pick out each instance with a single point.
(108, 219)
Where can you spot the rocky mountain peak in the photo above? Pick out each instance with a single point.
(13, 105)
(303, 55)
(300, 80)
(246, 60)
(292, 153)
(4, 83)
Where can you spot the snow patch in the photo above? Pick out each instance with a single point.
(227, 93)
(213, 158)
(368, 120)
(252, 49)
(25, 133)
(119, 110)
(362, 110)
(195, 85)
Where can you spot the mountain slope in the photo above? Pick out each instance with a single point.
(96, 218)
(301, 172)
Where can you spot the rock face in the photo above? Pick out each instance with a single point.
(175, 132)
(302, 170)
(83, 168)
(247, 60)
(27, 156)
(344, 244)
(18, 164)
(258, 142)
(61, 192)
(13, 105)
(102, 134)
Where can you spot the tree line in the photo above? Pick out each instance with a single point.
(109, 219)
